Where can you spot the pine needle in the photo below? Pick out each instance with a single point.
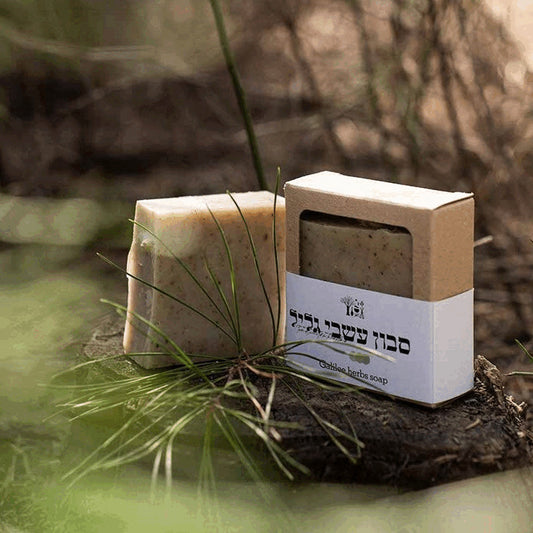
(215, 397)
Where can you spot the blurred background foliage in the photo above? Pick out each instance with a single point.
(103, 102)
(113, 101)
(428, 92)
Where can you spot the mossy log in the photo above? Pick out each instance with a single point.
(405, 445)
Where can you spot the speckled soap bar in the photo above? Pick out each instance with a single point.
(367, 255)
(188, 231)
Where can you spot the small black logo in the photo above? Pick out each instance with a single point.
(354, 307)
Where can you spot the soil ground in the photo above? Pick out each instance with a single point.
(405, 445)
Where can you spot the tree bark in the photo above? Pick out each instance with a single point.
(406, 445)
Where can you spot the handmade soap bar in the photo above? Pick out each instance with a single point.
(183, 229)
(377, 257)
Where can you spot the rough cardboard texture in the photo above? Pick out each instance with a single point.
(452, 249)
(440, 224)
(378, 191)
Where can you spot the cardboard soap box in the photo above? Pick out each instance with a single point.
(381, 276)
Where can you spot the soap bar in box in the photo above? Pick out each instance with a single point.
(367, 255)
(385, 267)
(184, 227)
(337, 209)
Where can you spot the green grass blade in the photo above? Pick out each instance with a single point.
(276, 258)
(189, 272)
(276, 452)
(220, 292)
(85, 466)
(206, 476)
(171, 296)
(221, 418)
(155, 473)
(311, 371)
(524, 349)
(333, 431)
(232, 279)
(239, 92)
(256, 265)
(179, 354)
(332, 345)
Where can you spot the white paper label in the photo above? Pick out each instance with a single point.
(431, 342)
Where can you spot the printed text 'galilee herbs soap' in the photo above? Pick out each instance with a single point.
(380, 275)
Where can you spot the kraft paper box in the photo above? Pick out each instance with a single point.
(381, 269)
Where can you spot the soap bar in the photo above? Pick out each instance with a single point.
(367, 255)
(184, 228)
